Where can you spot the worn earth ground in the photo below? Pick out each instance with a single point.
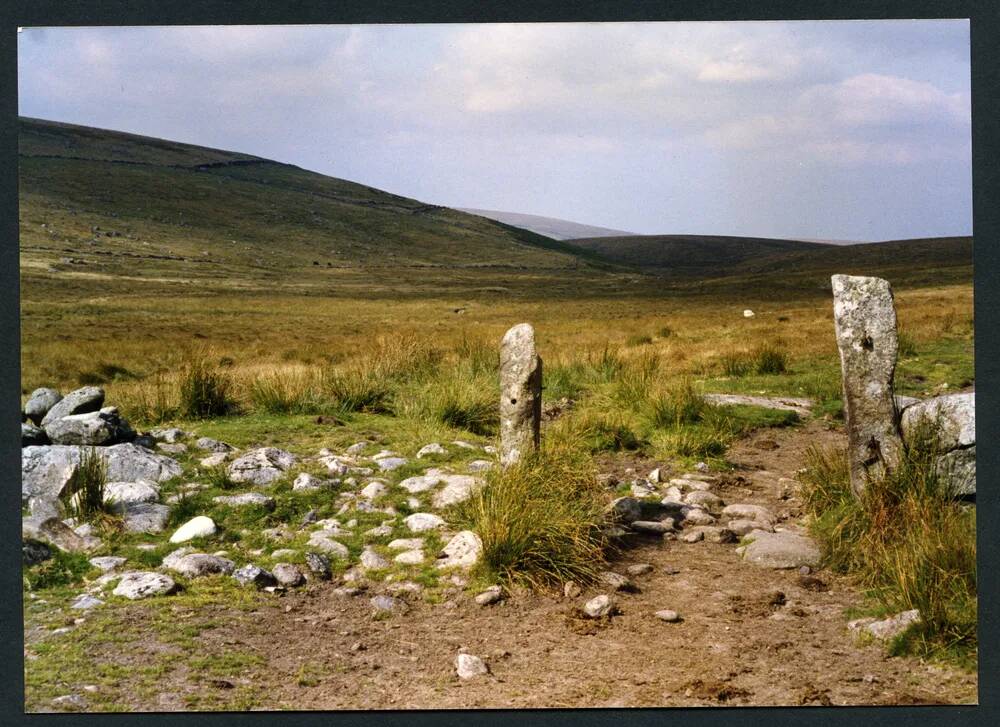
(748, 636)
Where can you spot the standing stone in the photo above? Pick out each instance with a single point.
(520, 393)
(865, 322)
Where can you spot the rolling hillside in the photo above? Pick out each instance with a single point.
(115, 195)
(549, 226)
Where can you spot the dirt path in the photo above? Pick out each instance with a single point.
(736, 645)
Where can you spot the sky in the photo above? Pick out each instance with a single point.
(839, 130)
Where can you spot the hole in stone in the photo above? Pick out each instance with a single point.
(867, 343)
(513, 401)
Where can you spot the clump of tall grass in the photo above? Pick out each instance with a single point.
(564, 380)
(599, 431)
(638, 340)
(84, 493)
(540, 519)
(673, 407)
(204, 391)
(635, 380)
(151, 401)
(907, 344)
(479, 355)
(459, 399)
(605, 365)
(767, 358)
(907, 541)
(285, 393)
(359, 389)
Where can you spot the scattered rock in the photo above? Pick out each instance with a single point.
(288, 575)
(197, 527)
(136, 585)
(388, 464)
(952, 417)
(599, 606)
(716, 534)
(374, 490)
(196, 565)
(698, 517)
(170, 436)
(571, 590)
(388, 604)
(144, 517)
(420, 522)
(323, 541)
(55, 532)
(40, 402)
(406, 544)
(617, 582)
(371, 560)
(639, 569)
(410, 557)
(85, 602)
(462, 551)
(214, 460)
(756, 513)
(703, 498)
(887, 628)
(656, 527)
(307, 482)
(80, 401)
(32, 436)
(254, 575)
(468, 666)
(129, 493)
(319, 565)
(493, 594)
(432, 448)
(693, 537)
(457, 489)
(178, 448)
(668, 616)
(246, 499)
(781, 550)
(208, 444)
(261, 466)
(480, 465)
(421, 483)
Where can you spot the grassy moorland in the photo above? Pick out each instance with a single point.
(327, 313)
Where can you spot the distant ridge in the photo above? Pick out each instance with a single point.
(549, 226)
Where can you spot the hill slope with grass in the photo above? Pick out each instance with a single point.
(114, 194)
(552, 227)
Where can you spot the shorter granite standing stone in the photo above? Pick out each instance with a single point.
(865, 323)
(520, 394)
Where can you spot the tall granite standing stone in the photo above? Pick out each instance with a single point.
(520, 393)
(865, 322)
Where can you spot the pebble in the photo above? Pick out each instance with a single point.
(668, 616)
(493, 594)
(468, 666)
(599, 606)
(571, 590)
(639, 569)
(695, 537)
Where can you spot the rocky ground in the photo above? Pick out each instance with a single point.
(741, 633)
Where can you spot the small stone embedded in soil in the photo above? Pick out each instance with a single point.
(432, 448)
(693, 537)
(245, 499)
(388, 604)
(288, 575)
(617, 581)
(656, 527)
(410, 557)
(144, 584)
(493, 594)
(571, 589)
(371, 560)
(696, 516)
(668, 616)
(85, 602)
(420, 522)
(107, 562)
(462, 551)
(468, 666)
(319, 565)
(639, 569)
(254, 575)
(599, 606)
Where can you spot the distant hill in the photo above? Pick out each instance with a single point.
(549, 226)
(114, 194)
(689, 253)
(785, 264)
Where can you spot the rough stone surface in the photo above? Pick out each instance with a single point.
(319, 565)
(462, 551)
(288, 575)
(888, 628)
(34, 552)
(129, 493)
(457, 488)
(742, 511)
(94, 428)
(432, 448)
(195, 565)
(323, 541)
(245, 499)
(80, 401)
(421, 483)
(135, 585)
(85, 602)
(145, 517)
(781, 550)
(668, 616)
(639, 569)
(705, 499)
(406, 544)
(421, 522)
(306, 482)
(40, 402)
(261, 466)
(599, 606)
(55, 532)
(952, 419)
(958, 470)
(654, 527)
(468, 666)
(388, 604)
(865, 324)
(493, 594)
(388, 464)
(374, 490)
(107, 563)
(520, 393)
(208, 444)
(371, 560)
(197, 527)
(254, 575)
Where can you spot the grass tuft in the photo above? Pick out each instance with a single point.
(540, 519)
(84, 494)
(204, 391)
